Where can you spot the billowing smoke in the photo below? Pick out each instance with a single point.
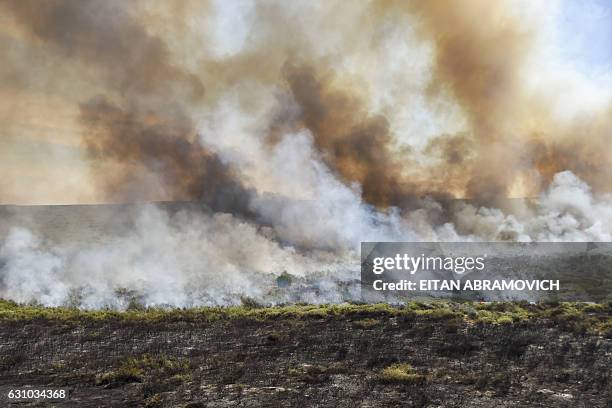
(189, 259)
(147, 131)
(299, 130)
(170, 152)
(353, 143)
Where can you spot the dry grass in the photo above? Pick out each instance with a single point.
(401, 373)
(571, 316)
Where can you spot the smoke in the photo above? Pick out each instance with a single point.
(188, 259)
(171, 151)
(147, 131)
(353, 143)
(300, 130)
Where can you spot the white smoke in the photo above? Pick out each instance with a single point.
(29, 273)
(309, 224)
(188, 259)
(194, 259)
(568, 211)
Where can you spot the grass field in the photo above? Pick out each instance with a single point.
(422, 354)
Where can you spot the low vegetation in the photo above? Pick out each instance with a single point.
(570, 316)
(135, 369)
(402, 373)
(434, 353)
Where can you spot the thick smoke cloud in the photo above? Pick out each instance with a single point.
(482, 62)
(299, 130)
(358, 146)
(149, 129)
(481, 67)
(187, 259)
(171, 151)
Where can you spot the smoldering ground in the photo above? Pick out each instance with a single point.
(303, 129)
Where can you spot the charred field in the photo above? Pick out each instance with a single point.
(446, 354)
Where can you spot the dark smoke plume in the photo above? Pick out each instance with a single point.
(355, 144)
(170, 150)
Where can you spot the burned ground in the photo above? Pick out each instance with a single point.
(439, 354)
